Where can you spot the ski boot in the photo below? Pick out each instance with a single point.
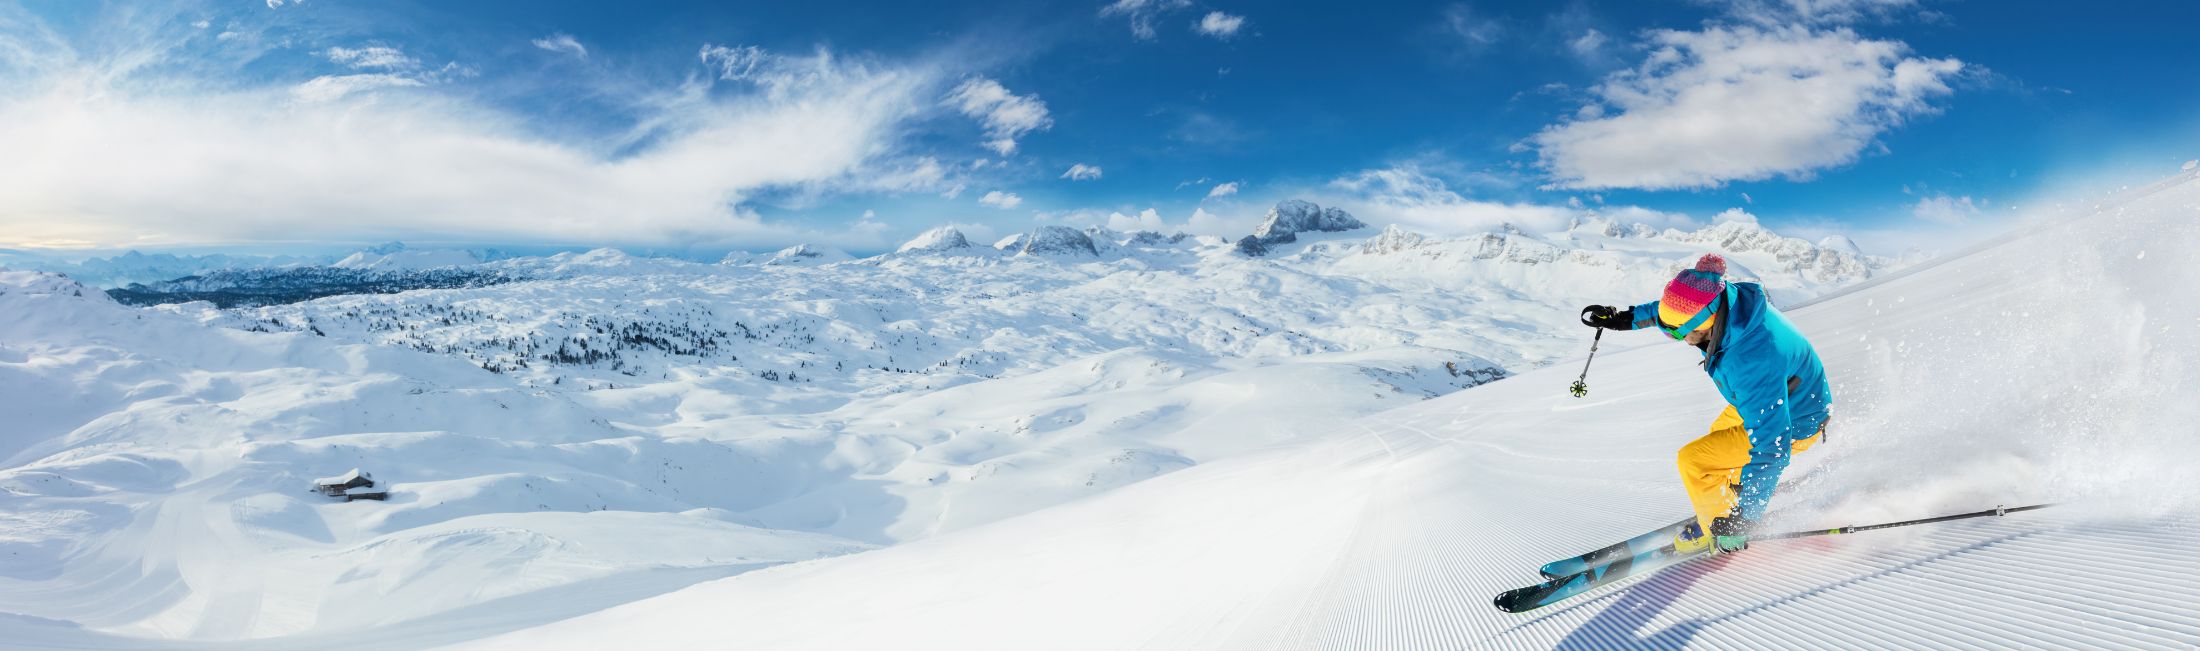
(1691, 540)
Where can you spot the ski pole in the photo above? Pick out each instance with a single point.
(1996, 511)
(1581, 384)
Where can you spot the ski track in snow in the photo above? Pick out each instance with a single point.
(1143, 480)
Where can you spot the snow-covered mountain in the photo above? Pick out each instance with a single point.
(395, 256)
(593, 428)
(943, 239)
(807, 255)
(1058, 240)
(1290, 218)
(136, 267)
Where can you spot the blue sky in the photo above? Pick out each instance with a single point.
(704, 127)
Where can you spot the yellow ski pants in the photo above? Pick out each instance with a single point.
(1711, 466)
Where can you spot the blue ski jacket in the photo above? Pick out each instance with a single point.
(1772, 377)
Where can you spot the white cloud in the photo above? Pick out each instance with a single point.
(869, 228)
(783, 76)
(1201, 222)
(1944, 209)
(1146, 220)
(150, 149)
(1783, 12)
(1001, 200)
(329, 88)
(1734, 215)
(202, 24)
(1207, 223)
(1741, 103)
(278, 4)
(1588, 45)
(1410, 196)
(1082, 172)
(373, 56)
(1223, 190)
(953, 191)
(1219, 25)
(1142, 13)
(396, 70)
(562, 42)
(895, 174)
(1474, 32)
(738, 63)
(1006, 115)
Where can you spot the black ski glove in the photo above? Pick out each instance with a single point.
(1608, 317)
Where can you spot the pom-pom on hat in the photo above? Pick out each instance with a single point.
(1693, 292)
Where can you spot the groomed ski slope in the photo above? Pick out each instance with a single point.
(2055, 367)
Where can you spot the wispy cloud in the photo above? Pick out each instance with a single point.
(1413, 196)
(1476, 33)
(1741, 103)
(1222, 190)
(1944, 209)
(1001, 200)
(1202, 128)
(333, 87)
(1587, 46)
(1786, 12)
(1006, 115)
(394, 70)
(1200, 222)
(1082, 172)
(562, 43)
(161, 146)
(1219, 25)
(1142, 13)
(371, 57)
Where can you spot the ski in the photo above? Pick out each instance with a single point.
(1620, 567)
(1521, 600)
(1656, 538)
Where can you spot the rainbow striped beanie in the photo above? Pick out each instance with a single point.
(1692, 292)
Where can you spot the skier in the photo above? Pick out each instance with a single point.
(1776, 393)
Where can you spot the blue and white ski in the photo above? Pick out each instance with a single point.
(1561, 588)
(1656, 538)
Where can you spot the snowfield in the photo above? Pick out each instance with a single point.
(1088, 439)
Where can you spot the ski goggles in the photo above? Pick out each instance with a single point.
(1681, 331)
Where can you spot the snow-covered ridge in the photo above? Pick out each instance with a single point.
(807, 255)
(1290, 218)
(395, 256)
(1058, 240)
(136, 267)
(938, 240)
(39, 282)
